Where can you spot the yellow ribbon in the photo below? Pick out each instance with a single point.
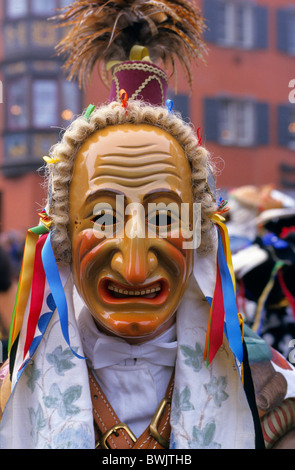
(136, 53)
(25, 281)
(139, 53)
(51, 161)
(218, 219)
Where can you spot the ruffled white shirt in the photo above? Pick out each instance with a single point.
(134, 378)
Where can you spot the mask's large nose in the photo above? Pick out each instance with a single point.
(135, 261)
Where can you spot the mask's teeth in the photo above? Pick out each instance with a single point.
(133, 292)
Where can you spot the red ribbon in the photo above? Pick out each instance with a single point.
(37, 294)
(124, 99)
(200, 136)
(214, 338)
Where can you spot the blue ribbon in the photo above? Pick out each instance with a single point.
(232, 327)
(57, 290)
(169, 105)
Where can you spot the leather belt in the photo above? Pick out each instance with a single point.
(112, 434)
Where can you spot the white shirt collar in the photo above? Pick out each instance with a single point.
(103, 350)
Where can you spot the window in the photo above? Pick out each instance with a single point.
(70, 101)
(45, 103)
(16, 8)
(180, 104)
(291, 33)
(1, 212)
(286, 126)
(17, 102)
(53, 102)
(64, 3)
(236, 123)
(239, 122)
(43, 7)
(35, 111)
(19, 8)
(236, 23)
(291, 129)
(16, 146)
(286, 30)
(287, 176)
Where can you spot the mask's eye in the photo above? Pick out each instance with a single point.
(161, 218)
(162, 221)
(104, 219)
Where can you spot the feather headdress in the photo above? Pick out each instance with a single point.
(104, 31)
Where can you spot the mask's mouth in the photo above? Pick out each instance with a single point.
(121, 293)
(111, 291)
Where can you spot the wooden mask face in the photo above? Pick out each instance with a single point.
(130, 266)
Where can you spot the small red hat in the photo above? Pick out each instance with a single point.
(142, 80)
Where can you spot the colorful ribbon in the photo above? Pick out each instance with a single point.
(37, 294)
(25, 282)
(50, 161)
(57, 290)
(89, 111)
(222, 207)
(200, 136)
(124, 100)
(38, 265)
(223, 315)
(169, 105)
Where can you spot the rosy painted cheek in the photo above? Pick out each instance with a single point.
(178, 244)
(88, 249)
(87, 246)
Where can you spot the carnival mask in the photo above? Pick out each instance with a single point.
(130, 216)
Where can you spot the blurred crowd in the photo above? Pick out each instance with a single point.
(11, 251)
(261, 229)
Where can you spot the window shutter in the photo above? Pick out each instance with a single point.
(262, 123)
(282, 30)
(283, 125)
(211, 130)
(210, 13)
(181, 103)
(260, 27)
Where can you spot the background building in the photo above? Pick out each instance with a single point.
(37, 103)
(240, 98)
(244, 93)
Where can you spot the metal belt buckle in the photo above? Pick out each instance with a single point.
(114, 429)
(155, 421)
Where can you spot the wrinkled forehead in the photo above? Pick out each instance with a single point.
(133, 160)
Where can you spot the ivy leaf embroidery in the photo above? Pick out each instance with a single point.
(216, 388)
(182, 399)
(32, 375)
(182, 403)
(71, 438)
(194, 356)
(203, 438)
(63, 402)
(61, 360)
(37, 422)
